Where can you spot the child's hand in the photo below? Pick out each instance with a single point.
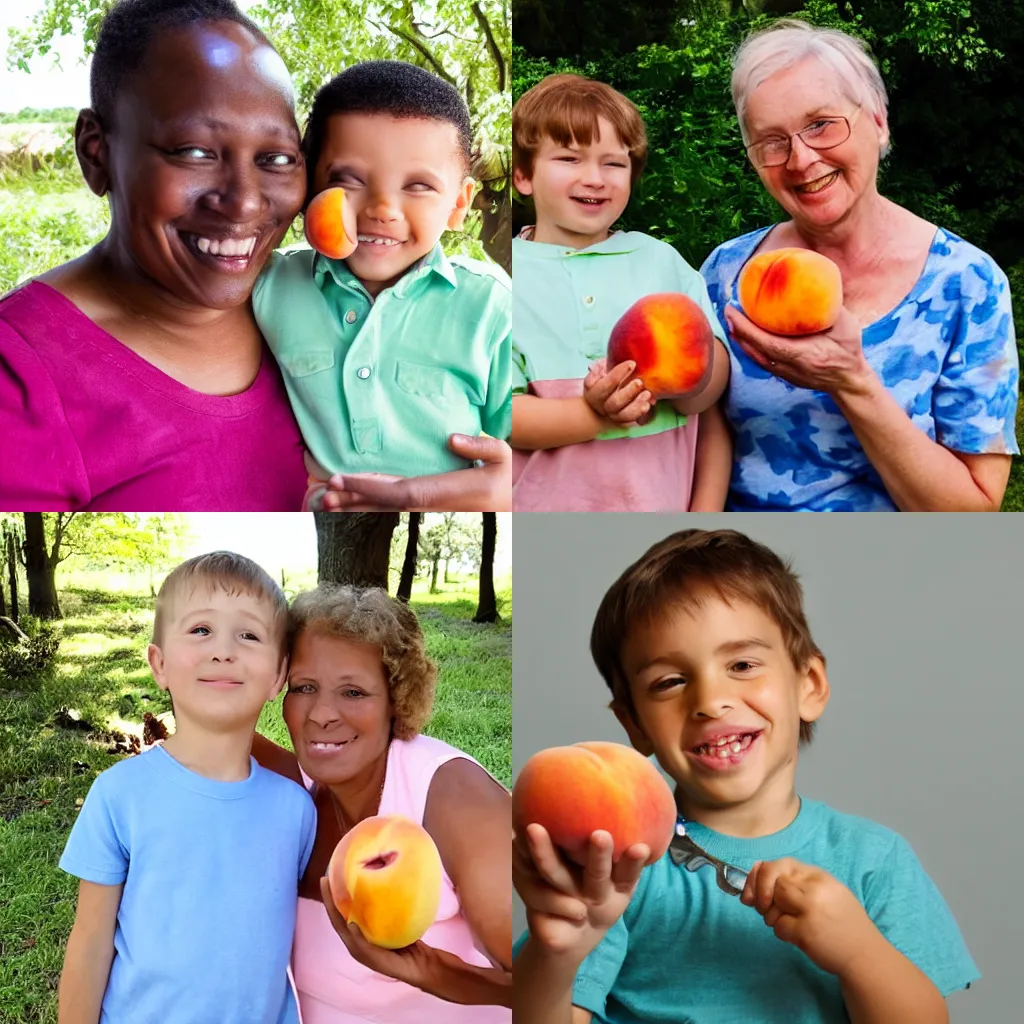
(809, 908)
(568, 908)
(611, 393)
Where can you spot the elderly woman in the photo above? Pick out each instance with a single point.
(135, 378)
(908, 402)
(360, 689)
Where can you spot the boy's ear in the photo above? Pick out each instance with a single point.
(462, 204)
(282, 678)
(155, 657)
(92, 151)
(637, 737)
(814, 690)
(524, 186)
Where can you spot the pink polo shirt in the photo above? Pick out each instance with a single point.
(336, 989)
(89, 425)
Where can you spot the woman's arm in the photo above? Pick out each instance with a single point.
(712, 462)
(277, 759)
(89, 954)
(919, 473)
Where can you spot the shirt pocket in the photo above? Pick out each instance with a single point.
(304, 364)
(424, 381)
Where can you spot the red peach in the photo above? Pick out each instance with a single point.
(330, 224)
(574, 791)
(791, 291)
(669, 338)
(385, 875)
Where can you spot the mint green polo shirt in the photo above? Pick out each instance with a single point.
(379, 385)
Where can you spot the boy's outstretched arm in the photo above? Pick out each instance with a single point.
(713, 390)
(568, 911)
(712, 462)
(807, 907)
(89, 954)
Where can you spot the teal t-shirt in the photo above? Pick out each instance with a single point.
(684, 952)
(379, 385)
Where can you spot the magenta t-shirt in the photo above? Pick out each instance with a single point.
(88, 424)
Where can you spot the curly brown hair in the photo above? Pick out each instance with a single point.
(368, 615)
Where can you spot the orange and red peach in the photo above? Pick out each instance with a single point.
(574, 791)
(330, 224)
(385, 875)
(669, 338)
(791, 291)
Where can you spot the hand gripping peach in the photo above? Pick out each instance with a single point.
(574, 791)
(669, 338)
(330, 224)
(791, 291)
(385, 875)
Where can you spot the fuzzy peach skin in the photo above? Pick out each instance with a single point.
(791, 291)
(330, 224)
(574, 791)
(669, 338)
(385, 875)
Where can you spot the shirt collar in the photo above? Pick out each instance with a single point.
(435, 262)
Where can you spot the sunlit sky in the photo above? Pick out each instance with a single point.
(287, 540)
(48, 85)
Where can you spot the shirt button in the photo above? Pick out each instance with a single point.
(363, 372)
(570, 252)
(351, 316)
(588, 300)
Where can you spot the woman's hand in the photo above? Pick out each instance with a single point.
(832, 361)
(484, 488)
(412, 964)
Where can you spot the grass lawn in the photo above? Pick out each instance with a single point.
(101, 671)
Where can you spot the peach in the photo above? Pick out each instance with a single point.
(669, 338)
(385, 875)
(791, 291)
(330, 224)
(573, 791)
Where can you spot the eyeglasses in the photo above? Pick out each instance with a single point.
(821, 133)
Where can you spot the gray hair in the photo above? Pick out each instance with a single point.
(789, 41)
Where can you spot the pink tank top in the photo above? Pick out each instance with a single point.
(335, 989)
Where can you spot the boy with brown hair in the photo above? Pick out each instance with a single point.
(706, 649)
(190, 854)
(589, 437)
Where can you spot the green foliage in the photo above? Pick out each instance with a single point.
(47, 115)
(24, 660)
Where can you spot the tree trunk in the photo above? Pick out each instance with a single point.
(12, 574)
(496, 230)
(487, 606)
(40, 570)
(412, 546)
(447, 578)
(354, 547)
(433, 576)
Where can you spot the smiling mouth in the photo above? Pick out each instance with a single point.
(224, 253)
(380, 240)
(810, 187)
(586, 201)
(328, 748)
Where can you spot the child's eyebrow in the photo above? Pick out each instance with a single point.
(732, 646)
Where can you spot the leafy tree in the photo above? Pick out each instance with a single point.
(466, 42)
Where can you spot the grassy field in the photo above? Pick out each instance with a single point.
(101, 671)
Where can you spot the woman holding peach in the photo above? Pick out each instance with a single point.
(907, 401)
(360, 689)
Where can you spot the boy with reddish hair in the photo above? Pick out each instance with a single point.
(589, 437)
(705, 647)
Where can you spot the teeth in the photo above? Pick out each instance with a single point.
(234, 247)
(726, 746)
(591, 202)
(819, 183)
(723, 751)
(327, 746)
(736, 747)
(376, 240)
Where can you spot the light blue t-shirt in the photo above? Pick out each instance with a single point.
(684, 952)
(210, 872)
(946, 353)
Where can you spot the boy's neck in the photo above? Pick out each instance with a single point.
(763, 815)
(552, 234)
(221, 756)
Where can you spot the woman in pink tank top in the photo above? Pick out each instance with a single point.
(360, 689)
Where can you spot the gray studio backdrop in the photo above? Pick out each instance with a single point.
(919, 618)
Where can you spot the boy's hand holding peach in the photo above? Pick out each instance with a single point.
(813, 911)
(614, 396)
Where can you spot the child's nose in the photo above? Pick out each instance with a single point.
(382, 207)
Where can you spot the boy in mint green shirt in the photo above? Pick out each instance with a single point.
(389, 352)
(706, 649)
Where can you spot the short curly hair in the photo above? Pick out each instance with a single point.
(368, 615)
(127, 30)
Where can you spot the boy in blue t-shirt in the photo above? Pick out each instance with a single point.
(712, 667)
(190, 854)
